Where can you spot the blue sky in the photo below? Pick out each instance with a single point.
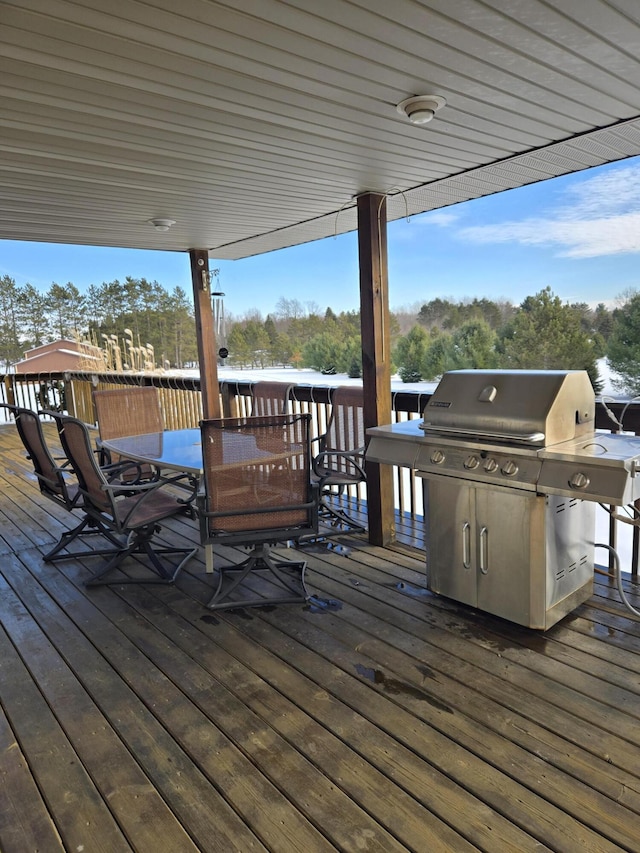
(579, 234)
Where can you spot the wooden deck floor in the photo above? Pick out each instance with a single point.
(378, 719)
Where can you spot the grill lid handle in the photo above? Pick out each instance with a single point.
(521, 438)
(488, 394)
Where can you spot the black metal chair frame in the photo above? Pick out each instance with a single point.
(253, 480)
(129, 514)
(55, 480)
(337, 465)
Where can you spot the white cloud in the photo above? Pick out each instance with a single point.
(598, 216)
(416, 226)
(440, 217)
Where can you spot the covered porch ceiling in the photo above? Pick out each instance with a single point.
(254, 124)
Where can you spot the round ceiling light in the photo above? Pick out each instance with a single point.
(162, 224)
(420, 109)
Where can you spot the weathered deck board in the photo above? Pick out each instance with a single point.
(25, 823)
(378, 718)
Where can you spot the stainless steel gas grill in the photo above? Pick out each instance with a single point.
(512, 467)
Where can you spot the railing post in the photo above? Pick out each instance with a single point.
(69, 396)
(9, 389)
(229, 402)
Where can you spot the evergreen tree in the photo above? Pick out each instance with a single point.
(353, 357)
(240, 353)
(547, 335)
(409, 354)
(472, 346)
(434, 313)
(67, 310)
(324, 352)
(603, 321)
(258, 342)
(437, 358)
(281, 350)
(183, 328)
(33, 315)
(623, 348)
(10, 346)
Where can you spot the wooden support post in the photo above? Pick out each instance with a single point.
(205, 332)
(376, 356)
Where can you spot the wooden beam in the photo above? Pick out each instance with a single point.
(376, 355)
(206, 333)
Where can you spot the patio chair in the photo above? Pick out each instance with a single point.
(128, 514)
(134, 410)
(55, 479)
(270, 398)
(339, 462)
(256, 491)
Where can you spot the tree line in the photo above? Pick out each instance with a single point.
(439, 335)
(542, 333)
(154, 316)
(298, 336)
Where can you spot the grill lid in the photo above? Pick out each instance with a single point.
(537, 407)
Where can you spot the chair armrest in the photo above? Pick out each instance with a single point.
(323, 461)
(145, 490)
(115, 470)
(320, 440)
(131, 488)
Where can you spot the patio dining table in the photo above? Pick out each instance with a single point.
(181, 450)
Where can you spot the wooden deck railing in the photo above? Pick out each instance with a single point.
(182, 408)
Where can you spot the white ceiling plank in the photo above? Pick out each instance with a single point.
(254, 123)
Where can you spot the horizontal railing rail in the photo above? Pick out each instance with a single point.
(181, 402)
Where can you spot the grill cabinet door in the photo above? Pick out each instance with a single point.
(510, 542)
(451, 549)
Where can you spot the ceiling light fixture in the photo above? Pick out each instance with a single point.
(162, 224)
(420, 109)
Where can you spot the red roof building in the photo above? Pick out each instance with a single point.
(60, 355)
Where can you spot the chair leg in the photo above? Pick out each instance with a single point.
(334, 515)
(79, 530)
(287, 574)
(139, 542)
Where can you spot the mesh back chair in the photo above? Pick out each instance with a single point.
(339, 462)
(256, 491)
(128, 514)
(270, 398)
(128, 411)
(55, 479)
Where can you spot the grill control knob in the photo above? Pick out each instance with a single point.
(579, 481)
(471, 462)
(490, 466)
(509, 469)
(437, 457)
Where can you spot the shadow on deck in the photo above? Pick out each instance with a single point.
(377, 718)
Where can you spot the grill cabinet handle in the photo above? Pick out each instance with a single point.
(484, 553)
(466, 545)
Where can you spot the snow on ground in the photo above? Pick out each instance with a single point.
(306, 376)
